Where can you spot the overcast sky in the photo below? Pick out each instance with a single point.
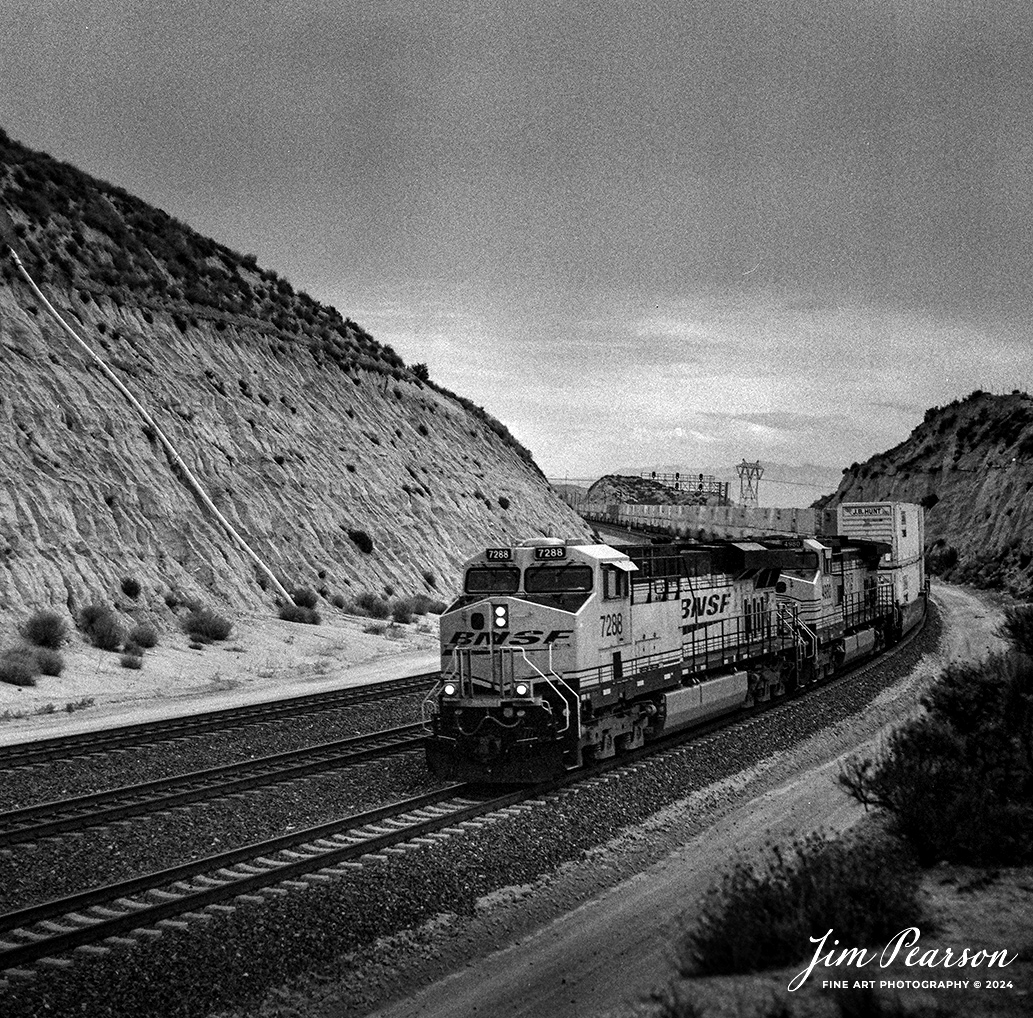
(637, 233)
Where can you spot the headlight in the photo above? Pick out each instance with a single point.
(522, 689)
(449, 689)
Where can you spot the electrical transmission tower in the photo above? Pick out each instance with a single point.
(749, 483)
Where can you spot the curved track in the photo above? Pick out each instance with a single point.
(108, 740)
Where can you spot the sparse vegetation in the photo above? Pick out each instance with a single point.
(18, 667)
(957, 781)
(305, 597)
(45, 629)
(757, 918)
(362, 540)
(205, 626)
(372, 605)
(86, 701)
(49, 661)
(102, 627)
(299, 613)
(131, 661)
(144, 635)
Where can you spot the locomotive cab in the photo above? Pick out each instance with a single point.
(512, 647)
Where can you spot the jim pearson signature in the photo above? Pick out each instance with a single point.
(905, 940)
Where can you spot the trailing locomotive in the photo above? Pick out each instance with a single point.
(558, 653)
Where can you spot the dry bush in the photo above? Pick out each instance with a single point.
(205, 626)
(144, 635)
(45, 629)
(18, 667)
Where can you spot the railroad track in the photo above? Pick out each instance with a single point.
(99, 919)
(108, 740)
(316, 854)
(98, 808)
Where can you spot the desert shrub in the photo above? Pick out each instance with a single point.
(362, 540)
(376, 628)
(421, 372)
(305, 597)
(339, 601)
(503, 502)
(86, 701)
(18, 667)
(430, 579)
(130, 587)
(758, 918)
(131, 661)
(299, 613)
(416, 604)
(372, 605)
(144, 635)
(49, 661)
(401, 614)
(1018, 627)
(102, 627)
(205, 626)
(172, 600)
(45, 629)
(957, 782)
(90, 614)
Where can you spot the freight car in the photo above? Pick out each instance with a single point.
(557, 653)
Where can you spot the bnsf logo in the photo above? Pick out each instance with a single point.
(704, 607)
(523, 638)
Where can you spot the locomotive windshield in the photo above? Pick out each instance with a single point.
(492, 580)
(556, 579)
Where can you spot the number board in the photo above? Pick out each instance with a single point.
(550, 553)
(498, 554)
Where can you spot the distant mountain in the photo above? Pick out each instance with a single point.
(346, 470)
(971, 465)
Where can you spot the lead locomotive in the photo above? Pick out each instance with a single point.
(559, 652)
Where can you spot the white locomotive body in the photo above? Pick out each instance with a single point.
(557, 653)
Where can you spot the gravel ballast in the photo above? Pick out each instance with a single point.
(258, 947)
(64, 779)
(55, 868)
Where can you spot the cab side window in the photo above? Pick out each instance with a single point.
(615, 583)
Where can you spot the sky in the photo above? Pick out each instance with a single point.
(637, 233)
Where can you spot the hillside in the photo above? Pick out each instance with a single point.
(644, 491)
(971, 465)
(346, 470)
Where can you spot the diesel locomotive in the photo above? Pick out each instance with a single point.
(556, 652)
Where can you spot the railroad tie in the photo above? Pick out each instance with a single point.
(165, 895)
(92, 950)
(129, 903)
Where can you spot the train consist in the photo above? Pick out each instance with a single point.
(558, 653)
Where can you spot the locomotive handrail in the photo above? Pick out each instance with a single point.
(425, 714)
(533, 667)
